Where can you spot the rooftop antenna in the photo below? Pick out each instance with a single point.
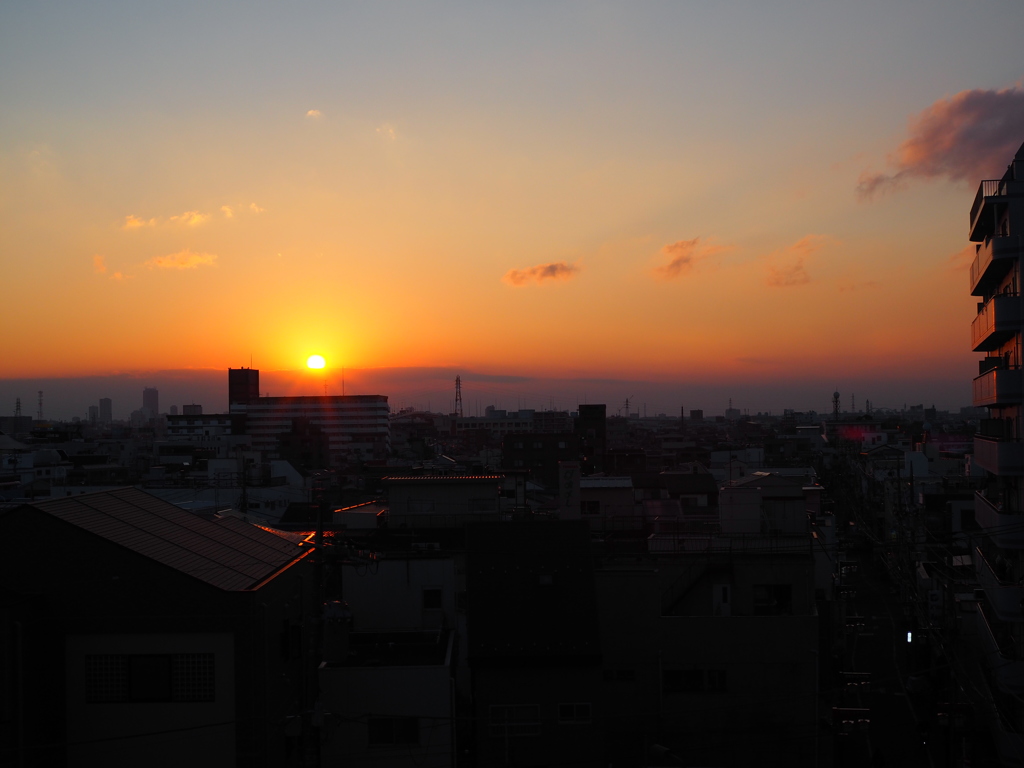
(17, 406)
(40, 413)
(458, 396)
(835, 405)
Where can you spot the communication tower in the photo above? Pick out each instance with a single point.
(40, 412)
(17, 406)
(835, 406)
(458, 396)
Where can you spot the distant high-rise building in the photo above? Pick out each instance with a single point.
(151, 402)
(243, 386)
(94, 414)
(192, 410)
(592, 429)
(173, 411)
(697, 415)
(106, 410)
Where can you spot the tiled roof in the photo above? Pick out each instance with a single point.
(225, 552)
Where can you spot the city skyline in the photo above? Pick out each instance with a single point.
(434, 389)
(559, 204)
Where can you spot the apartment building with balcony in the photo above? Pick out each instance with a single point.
(997, 229)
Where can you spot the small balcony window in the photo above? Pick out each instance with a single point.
(577, 713)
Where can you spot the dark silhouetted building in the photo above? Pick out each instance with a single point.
(243, 386)
(996, 225)
(151, 631)
(151, 402)
(592, 429)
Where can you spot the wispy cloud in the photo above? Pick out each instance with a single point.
(541, 273)
(313, 113)
(787, 267)
(387, 131)
(186, 259)
(190, 218)
(133, 222)
(683, 256)
(962, 258)
(99, 266)
(228, 211)
(255, 208)
(969, 136)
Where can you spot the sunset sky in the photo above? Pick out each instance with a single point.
(695, 201)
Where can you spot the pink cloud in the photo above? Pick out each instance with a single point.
(99, 264)
(541, 273)
(786, 267)
(683, 255)
(970, 136)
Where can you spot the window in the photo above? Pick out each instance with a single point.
(432, 599)
(682, 681)
(576, 713)
(716, 680)
(622, 675)
(149, 677)
(590, 507)
(773, 600)
(386, 731)
(693, 681)
(522, 720)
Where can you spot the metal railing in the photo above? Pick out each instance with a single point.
(988, 188)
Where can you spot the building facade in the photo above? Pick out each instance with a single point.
(356, 425)
(996, 225)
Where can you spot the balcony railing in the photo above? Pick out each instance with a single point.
(998, 319)
(987, 188)
(993, 258)
(1000, 386)
(1005, 529)
(1004, 597)
(997, 647)
(1000, 457)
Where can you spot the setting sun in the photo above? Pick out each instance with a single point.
(316, 361)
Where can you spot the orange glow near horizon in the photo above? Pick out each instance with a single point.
(570, 214)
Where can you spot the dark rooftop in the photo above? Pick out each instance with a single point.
(226, 552)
